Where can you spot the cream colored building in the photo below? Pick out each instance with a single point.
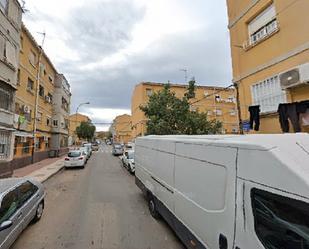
(122, 129)
(270, 54)
(217, 102)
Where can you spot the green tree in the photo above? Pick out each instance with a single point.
(85, 131)
(169, 115)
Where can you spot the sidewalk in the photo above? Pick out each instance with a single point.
(41, 171)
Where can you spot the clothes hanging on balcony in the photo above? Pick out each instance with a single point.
(255, 117)
(303, 110)
(289, 112)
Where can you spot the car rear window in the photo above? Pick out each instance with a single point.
(117, 146)
(74, 154)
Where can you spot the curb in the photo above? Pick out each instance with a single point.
(53, 174)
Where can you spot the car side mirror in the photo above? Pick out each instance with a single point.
(5, 225)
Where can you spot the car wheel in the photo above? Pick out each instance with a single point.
(153, 207)
(39, 212)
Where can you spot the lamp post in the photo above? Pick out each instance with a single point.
(81, 104)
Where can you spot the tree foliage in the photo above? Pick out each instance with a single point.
(169, 115)
(85, 131)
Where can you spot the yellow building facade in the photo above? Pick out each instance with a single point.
(74, 121)
(33, 85)
(218, 102)
(270, 56)
(122, 129)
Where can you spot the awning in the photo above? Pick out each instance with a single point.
(22, 134)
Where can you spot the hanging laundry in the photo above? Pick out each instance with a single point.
(289, 112)
(303, 110)
(254, 117)
(304, 118)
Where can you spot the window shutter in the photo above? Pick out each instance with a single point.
(2, 47)
(262, 19)
(11, 54)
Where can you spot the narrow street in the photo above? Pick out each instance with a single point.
(97, 207)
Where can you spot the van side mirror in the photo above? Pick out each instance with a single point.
(5, 225)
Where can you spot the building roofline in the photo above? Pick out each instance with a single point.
(182, 85)
(28, 33)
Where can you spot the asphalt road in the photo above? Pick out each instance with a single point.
(98, 207)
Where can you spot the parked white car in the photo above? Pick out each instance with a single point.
(86, 149)
(245, 192)
(75, 158)
(128, 161)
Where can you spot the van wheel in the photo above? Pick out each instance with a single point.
(39, 212)
(153, 207)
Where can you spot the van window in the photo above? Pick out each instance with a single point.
(280, 222)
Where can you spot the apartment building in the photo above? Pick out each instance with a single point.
(10, 26)
(122, 129)
(61, 113)
(218, 102)
(270, 54)
(74, 121)
(40, 112)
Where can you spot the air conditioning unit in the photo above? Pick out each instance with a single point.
(295, 77)
(26, 109)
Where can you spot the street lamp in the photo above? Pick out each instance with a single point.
(81, 104)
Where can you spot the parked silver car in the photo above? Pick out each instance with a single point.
(128, 161)
(117, 150)
(22, 201)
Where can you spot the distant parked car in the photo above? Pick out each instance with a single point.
(88, 145)
(86, 150)
(117, 150)
(95, 146)
(22, 201)
(75, 158)
(128, 161)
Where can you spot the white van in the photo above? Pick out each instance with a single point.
(229, 192)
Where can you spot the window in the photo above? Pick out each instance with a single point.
(55, 123)
(39, 116)
(11, 54)
(21, 43)
(280, 222)
(26, 190)
(41, 91)
(8, 205)
(4, 5)
(50, 97)
(6, 99)
(48, 121)
(263, 25)
(50, 78)
(231, 99)
(218, 112)
(2, 46)
(5, 139)
(17, 108)
(209, 113)
(149, 92)
(18, 77)
(217, 98)
(32, 58)
(268, 94)
(26, 147)
(232, 112)
(30, 85)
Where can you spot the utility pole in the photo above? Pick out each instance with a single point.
(186, 74)
(37, 96)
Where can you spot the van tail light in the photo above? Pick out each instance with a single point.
(67, 159)
(81, 158)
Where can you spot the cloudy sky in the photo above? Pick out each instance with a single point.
(106, 47)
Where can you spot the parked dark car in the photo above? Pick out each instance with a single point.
(117, 149)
